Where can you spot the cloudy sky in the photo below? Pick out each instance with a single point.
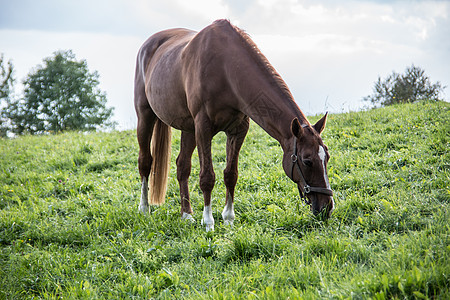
(330, 53)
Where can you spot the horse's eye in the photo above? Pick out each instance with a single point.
(307, 162)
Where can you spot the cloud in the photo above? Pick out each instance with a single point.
(329, 52)
(206, 10)
(63, 16)
(378, 20)
(135, 17)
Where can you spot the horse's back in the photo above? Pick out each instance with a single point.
(158, 75)
(182, 73)
(158, 41)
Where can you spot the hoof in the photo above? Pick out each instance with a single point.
(209, 226)
(144, 209)
(188, 217)
(228, 222)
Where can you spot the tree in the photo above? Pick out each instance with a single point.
(412, 86)
(60, 95)
(6, 88)
(6, 78)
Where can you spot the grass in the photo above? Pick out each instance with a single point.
(70, 228)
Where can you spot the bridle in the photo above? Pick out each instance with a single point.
(303, 187)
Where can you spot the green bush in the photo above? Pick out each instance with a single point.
(414, 85)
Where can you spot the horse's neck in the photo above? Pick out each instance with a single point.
(267, 104)
(262, 95)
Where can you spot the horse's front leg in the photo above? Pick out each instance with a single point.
(235, 139)
(183, 171)
(203, 135)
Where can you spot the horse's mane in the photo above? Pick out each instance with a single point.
(262, 61)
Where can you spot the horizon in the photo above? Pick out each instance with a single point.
(329, 54)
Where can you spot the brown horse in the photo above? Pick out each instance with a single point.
(210, 81)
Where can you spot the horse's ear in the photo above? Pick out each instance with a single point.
(320, 125)
(296, 128)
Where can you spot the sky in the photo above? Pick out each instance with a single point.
(330, 53)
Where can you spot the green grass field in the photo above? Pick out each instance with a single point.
(70, 227)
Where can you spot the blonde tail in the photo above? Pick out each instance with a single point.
(160, 149)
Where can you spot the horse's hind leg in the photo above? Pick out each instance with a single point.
(183, 171)
(235, 138)
(146, 121)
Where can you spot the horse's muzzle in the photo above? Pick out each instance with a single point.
(321, 204)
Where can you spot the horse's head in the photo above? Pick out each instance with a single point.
(306, 164)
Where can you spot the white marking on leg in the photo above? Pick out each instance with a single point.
(143, 206)
(322, 156)
(208, 219)
(188, 217)
(228, 213)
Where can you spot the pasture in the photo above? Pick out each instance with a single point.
(70, 227)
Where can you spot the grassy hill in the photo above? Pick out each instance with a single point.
(70, 228)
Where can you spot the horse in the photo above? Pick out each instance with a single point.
(216, 80)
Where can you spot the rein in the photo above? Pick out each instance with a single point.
(303, 187)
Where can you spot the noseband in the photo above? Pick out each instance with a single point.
(303, 187)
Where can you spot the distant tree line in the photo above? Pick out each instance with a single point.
(414, 85)
(60, 95)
